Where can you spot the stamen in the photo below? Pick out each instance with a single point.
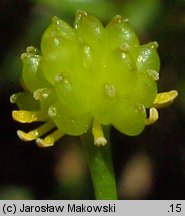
(153, 116)
(24, 116)
(34, 134)
(165, 98)
(99, 139)
(50, 139)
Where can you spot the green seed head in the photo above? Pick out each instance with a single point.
(90, 71)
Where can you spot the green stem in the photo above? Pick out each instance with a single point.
(101, 167)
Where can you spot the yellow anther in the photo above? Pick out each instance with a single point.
(34, 134)
(27, 136)
(165, 98)
(153, 116)
(23, 116)
(99, 139)
(50, 139)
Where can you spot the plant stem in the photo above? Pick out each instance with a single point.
(101, 167)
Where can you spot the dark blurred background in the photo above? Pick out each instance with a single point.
(149, 166)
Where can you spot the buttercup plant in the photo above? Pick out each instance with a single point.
(84, 79)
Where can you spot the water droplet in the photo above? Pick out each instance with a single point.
(52, 111)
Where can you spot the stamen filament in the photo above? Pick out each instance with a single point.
(34, 134)
(50, 139)
(153, 116)
(99, 139)
(24, 116)
(164, 99)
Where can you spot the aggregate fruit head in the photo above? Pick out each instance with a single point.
(88, 76)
